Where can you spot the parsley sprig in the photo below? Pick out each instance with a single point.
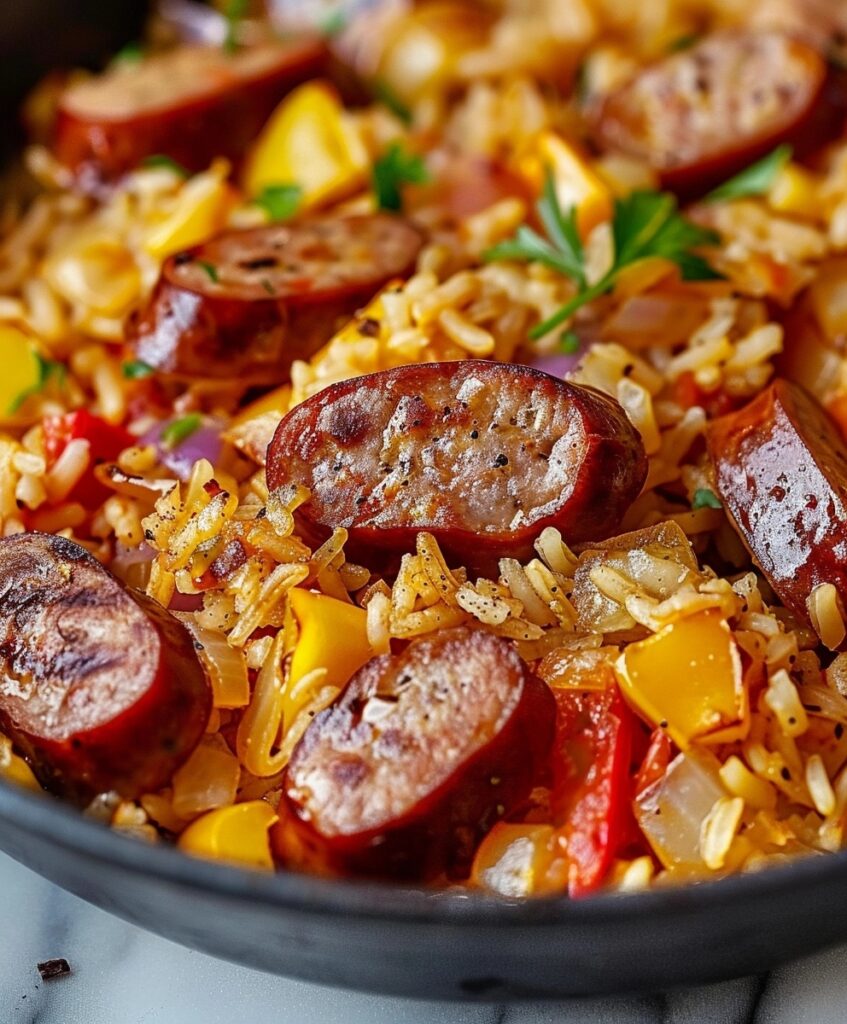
(645, 224)
(234, 12)
(395, 168)
(280, 202)
(755, 180)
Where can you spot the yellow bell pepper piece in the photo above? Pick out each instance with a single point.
(22, 371)
(309, 141)
(688, 678)
(276, 401)
(333, 636)
(200, 211)
(15, 769)
(577, 183)
(237, 835)
(795, 191)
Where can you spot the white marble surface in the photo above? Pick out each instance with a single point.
(122, 975)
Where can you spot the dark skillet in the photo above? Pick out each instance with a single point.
(393, 940)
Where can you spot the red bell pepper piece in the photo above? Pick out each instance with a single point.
(655, 762)
(105, 440)
(591, 798)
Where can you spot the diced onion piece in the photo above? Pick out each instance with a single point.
(236, 835)
(226, 666)
(671, 812)
(208, 779)
(688, 679)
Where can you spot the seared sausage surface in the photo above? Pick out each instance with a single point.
(482, 454)
(247, 303)
(99, 685)
(701, 115)
(417, 758)
(781, 471)
(191, 104)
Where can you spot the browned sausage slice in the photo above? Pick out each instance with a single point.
(701, 115)
(191, 104)
(99, 685)
(419, 756)
(482, 454)
(247, 303)
(781, 471)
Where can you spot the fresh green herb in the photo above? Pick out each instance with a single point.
(210, 269)
(645, 224)
(132, 53)
(234, 12)
(280, 202)
(178, 430)
(136, 369)
(395, 168)
(269, 288)
(569, 342)
(754, 180)
(705, 498)
(683, 42)
(160, 160)
(334, 23)
(47, 369)
(389, 98)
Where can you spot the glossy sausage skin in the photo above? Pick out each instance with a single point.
(191, 104)
(418, 757)
(781, 471)
(484, 455)
(246, 304)
(99, 685)
(702, 115)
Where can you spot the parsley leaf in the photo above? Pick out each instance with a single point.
(705, 498)
(178, 430)
(754, 180)
(395, 168)
(280, 201)
(210, 269)
(645, 224)
(233, 12)
(161, 160)
(136, 369)
(683, 42)
(132, 53)
(389, 98)
(569, 343)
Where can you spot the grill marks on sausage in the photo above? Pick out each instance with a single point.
(460, 730)
(100, 686)
(483, 454)
(781, 471)
(701, 115)
(278, 294)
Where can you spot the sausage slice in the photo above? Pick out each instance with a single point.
(99, 685)
(247, 303)
(484, 455)
(701, 115)
(418, 757)
(781, 471)
(192, 104)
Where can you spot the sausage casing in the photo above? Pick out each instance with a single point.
(483, 455)
(781, 471)
(247, 303)
(701, 115)
(99, 685)
(417, 758)
(191, 104)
